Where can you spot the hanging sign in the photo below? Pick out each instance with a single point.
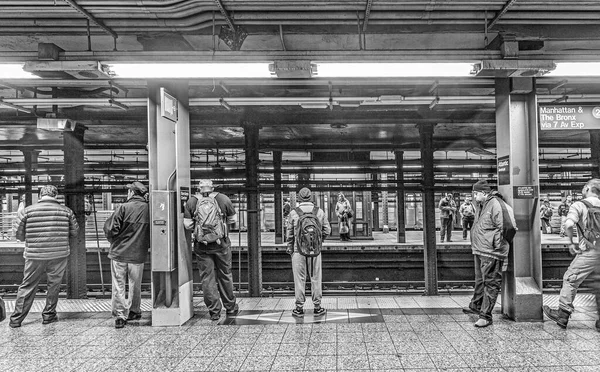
(168, 105)
(566, 117)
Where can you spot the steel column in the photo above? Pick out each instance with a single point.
(517, 142)
(74, 199)
(430, 251)
(595, 150)
(30, 159)
(400, 197)
(253, 210)
(278, 197)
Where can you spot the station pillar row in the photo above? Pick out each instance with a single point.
(429, 233)
(253, 210)
(518, 182)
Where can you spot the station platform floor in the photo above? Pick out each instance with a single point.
(359, 333)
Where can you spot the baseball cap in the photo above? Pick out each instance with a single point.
(206, 186)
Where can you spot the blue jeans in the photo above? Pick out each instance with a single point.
(300, 266)
(216, 279)
(32, 273)
(488, 281)
(122, 273)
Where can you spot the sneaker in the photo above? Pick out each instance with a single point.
(298, 312)
(215, 316)
(120, 323)
(50, 320)
(481, 323)
(319, 311)
(14, 325)
(468, 310)
(235, 310)
(134, 316)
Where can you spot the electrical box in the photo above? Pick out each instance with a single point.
(163, 230)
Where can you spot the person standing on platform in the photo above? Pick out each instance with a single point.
(307, 230)
(128, 232)
(213, 211)
(467, 213)
(546, 213)
(563, 210)
(490, 250)
(46, 228)
(343, 209)
(287, 208)
(584, 214)
(447, 208)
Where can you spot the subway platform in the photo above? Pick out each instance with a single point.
(359, 333)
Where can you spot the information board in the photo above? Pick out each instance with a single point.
(568, 117)
(525, 192)
(504, 170)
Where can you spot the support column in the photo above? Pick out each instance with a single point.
(74, 199)
(278, 198)
(430, 251)
(595, 149)
(517, 144)
(30, 160)
(254, 253)
(400, 198)
(375, 199)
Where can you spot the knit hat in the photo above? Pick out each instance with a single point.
(305, 194)
(206, 186)
(49, 190)
(482, 186)
(137, 187)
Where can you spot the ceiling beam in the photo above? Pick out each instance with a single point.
(89, 16)
(499, 15)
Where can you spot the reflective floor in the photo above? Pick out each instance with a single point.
(395, 333)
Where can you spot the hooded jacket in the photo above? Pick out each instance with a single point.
(486, 234)
(128, 231)
(46, 228)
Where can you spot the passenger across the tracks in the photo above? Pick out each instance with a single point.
(546, 213)
(563, 211)
(585, 215)
(467, 213)
(447, 208)
(344, 212)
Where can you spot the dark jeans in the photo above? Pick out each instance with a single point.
(216, 279)
(467, 225)
(55, 269)
(446, 228)
(545, 226)
(488, 280)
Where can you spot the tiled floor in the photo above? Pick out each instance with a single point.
(415, 334)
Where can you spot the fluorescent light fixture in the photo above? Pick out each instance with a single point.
(576, 69)
(316, 105)
(15, 71)
(190, 70)
(392, 69)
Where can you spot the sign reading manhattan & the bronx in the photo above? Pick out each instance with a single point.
(565, 117)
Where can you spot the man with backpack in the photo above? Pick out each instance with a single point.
(492, 233)
(208, 215)
(307, 228)
(585, 214)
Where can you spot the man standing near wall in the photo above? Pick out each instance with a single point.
(46, 228)
(128, 231)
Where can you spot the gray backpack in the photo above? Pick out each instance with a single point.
(209, 226)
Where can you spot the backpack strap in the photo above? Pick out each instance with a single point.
(299, 211)
(315, 210)
(579, 223)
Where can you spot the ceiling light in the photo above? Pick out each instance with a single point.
(391, 99)
(316, 105)
(392, 69)
(15, 71)
(190, 70)
(576, 69)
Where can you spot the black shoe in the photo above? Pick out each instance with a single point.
(134, 316)
(215, 316)
(560, 316)
(298, 312)
(597, 325)
(14, 325)
(235, 310)
(468, 310)
(120, 323)
(449, 241)
(50, 320)
(319, 311)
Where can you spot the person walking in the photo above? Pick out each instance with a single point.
(546, 213)
(208, 214)
(343, 209)
(46, 228)
(563, 211)
(447, 208)
(585, 215)
(467, 213)
(287, 208)
(128, 232)
(314, 222)
(490, 250)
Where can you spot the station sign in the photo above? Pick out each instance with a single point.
(503, 170)
(525, 192)
(568, 117)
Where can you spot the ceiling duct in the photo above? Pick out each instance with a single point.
(56, 125)
(68, 69)
(512, 68)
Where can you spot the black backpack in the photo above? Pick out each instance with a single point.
(591, 231)
(309, 234)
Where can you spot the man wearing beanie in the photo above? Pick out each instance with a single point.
(300, 263)
(128, 232)
(490, 250)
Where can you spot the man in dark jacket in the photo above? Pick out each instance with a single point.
(214, 258)
(46, 228)
(490, 250)
(128, 231)
(447, 208)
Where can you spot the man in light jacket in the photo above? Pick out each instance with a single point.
(46, 228)
(490, 250)
(128, 231)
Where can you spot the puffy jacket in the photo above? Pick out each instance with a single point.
(486, 234)
(46, 228)
(294, 217)
(447, 208)
(128, 231)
